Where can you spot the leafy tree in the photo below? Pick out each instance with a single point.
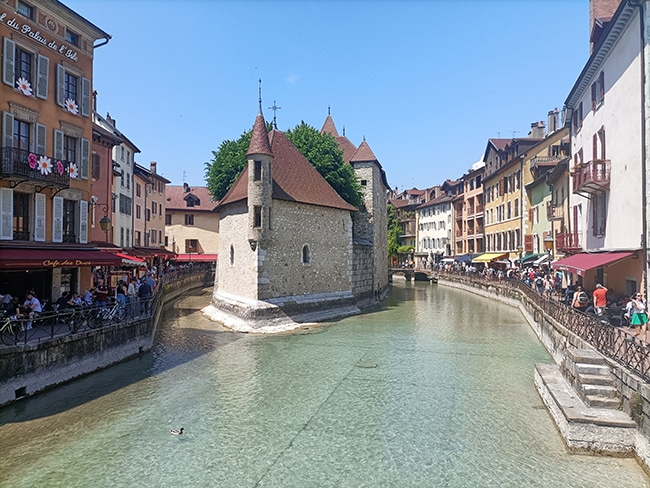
(394, 231)
(320, 150)
(226, 164)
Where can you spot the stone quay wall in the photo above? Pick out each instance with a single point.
(557, 339)
(33, 367)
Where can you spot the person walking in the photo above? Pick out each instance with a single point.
(144, 292)
(600, 299)
(639, 316)
(580, 299)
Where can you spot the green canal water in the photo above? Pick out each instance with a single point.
(436, 389)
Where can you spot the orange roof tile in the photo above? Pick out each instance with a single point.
(259, 140)
(176, 197)
(329, 127)
(364, 153)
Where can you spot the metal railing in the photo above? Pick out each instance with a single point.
(26, 164)
(612, 341)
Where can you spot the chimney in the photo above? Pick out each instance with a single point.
(553, 120)
(603, 10)
(94, 100)
(537, 130)
(152, 167)
(186, 188)
(109, 119)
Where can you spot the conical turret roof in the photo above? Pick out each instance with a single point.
(260, 139)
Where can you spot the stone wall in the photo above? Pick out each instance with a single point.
(363, 271)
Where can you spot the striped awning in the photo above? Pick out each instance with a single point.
(489, 257)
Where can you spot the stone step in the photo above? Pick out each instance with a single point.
(585, 356)
(591, 368)
(599, 390)
(595, 379)
(597, 401)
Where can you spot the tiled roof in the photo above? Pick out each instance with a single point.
(294, 178)
(364, 153)
(177, 198)
(259, 140)
(436, 201)
(329, 127)
(347, 147)
(399, 202)
(500, 143)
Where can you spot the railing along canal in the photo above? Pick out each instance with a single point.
(611, 341)
(50, 325)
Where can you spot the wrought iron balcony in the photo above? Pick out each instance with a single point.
(591, 178)
(554, 212)
(21, 165)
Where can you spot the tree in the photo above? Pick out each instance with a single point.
(320, 150)
(394, 231)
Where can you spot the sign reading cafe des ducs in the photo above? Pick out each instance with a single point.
(26, 30)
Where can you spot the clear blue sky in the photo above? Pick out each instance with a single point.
(426, 82)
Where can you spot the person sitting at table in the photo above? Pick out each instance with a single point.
(88, 297)
(75, 301)
(32, 308)
(62, 302)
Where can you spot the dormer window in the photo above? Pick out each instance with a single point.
(72, 37)
(192, 201)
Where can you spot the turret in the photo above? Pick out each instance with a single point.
(260, 183)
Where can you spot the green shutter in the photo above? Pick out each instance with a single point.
(85, 97)
(85, 158)
(8, 63)
(60, 78)
(41, 147)
(42, 68)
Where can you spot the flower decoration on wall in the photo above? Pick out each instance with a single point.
(24, 86)
(74, 171)
(59, 167)
(45, 165)
(32, 160)
(71, 106)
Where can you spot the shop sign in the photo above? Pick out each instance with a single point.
(66, 263)
(26, 30)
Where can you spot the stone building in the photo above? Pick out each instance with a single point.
(285, 242)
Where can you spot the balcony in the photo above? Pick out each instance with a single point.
(591, 178)
(566, 242)
(554, 212)
(459, 213)
(479, 209)
(19, 165)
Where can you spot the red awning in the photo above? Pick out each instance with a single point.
(56, 258)
(132, 260)
(198, 258)
(579, 263)
(150, 252)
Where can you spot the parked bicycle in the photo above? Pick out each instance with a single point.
(11, 331)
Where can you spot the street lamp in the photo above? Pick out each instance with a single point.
(105, 222)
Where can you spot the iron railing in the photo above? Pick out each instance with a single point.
(26, 165)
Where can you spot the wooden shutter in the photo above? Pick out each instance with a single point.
(85, 97)
(43, 69)
(60, 91)
(57, 219)
(594, 92)
(594, 147)
(83, 222)
(58, 144)
(39, 217)
(7, 129)
(8, 62)
(6, 214)
(528, 242)
(41, 137)
(84, 161)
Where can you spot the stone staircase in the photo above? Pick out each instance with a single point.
(592, 378)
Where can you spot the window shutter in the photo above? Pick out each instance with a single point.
(39, 217)
(8, 64)
(43, 69)
(85, 97)
(593, 96)
(7, 129)
(58, 144)
(6, 214)
(594, 147)
(85, 159)
(41, 148)
(601, 96)
(57, 219)
(83, 221)
(60, 92)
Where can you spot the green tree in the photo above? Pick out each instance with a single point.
(394, 231)
(322, 151)
(226, 165)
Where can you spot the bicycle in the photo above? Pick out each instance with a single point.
(114, 313)
(11, 332)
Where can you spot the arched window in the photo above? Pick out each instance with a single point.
(306, 255)
(232, 255)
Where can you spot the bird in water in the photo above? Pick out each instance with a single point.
(177, 431)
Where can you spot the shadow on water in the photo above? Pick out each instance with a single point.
(174, 345)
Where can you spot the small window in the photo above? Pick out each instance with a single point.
(168, 219)
(189, 219)
(306, 255)
(232, 255)
(72, 37)
(257, 216)
(24, 9)
(364, 182)
(257, 171)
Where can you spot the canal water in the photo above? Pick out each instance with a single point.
(433, 390)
